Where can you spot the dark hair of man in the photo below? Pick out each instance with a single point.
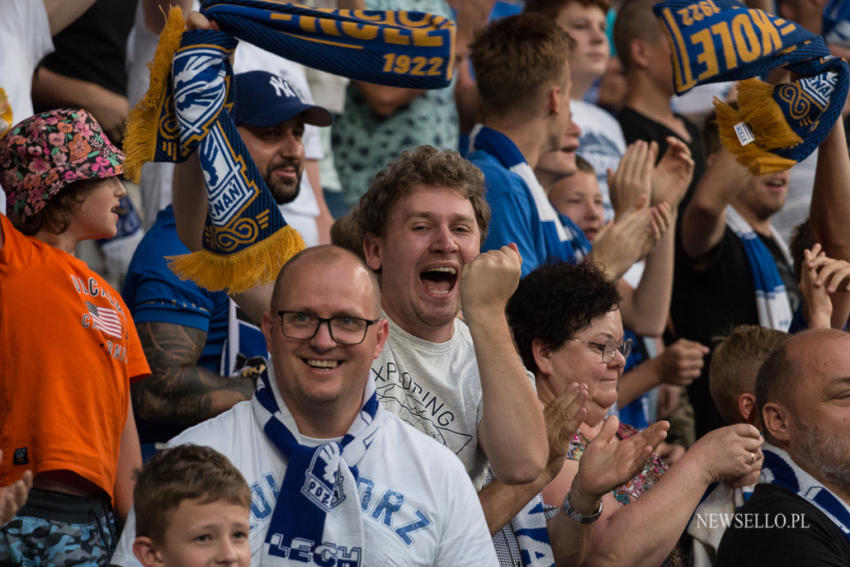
(551, 8)
(635, 20)
(346, 234)
(554, 302)
(514, 58)
(426, 166)
(802, 239)
(184, 472)
(584, 165)
(776, 381)
(55, 217)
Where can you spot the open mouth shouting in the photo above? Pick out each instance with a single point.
(591, 231)
(439, 280)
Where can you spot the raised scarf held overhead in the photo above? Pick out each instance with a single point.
(775, 126)
(188, 108)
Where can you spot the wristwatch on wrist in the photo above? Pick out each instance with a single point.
(580, 518)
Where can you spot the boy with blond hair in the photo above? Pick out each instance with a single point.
(732, 382)
(734, 365)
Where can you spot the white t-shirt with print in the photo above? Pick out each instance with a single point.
(436, 388)
(401, 465)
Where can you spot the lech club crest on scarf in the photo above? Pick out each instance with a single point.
(323, 483)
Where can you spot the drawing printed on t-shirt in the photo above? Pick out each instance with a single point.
(400, 394)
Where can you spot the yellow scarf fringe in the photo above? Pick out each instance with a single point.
(238, 272)
(142, 124)
(764, 117)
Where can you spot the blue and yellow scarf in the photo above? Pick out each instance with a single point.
(188, 108)
(775, 126)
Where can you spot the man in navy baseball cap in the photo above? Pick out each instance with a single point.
(270, 115)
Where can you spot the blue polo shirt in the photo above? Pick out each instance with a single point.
(516, 209)
(155, 294)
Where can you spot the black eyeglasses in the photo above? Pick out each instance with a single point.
(344, 329)
(609, 348)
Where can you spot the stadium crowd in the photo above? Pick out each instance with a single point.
(542, 315)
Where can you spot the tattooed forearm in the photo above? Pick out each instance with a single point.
(179, 391)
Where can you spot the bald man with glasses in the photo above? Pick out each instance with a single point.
(335, 479)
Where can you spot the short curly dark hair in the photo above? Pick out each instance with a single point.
(425, 166)
(555, 301)
(802, 238)
(346, 234)
(55, 217)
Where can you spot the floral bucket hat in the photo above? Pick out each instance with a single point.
(47, 152)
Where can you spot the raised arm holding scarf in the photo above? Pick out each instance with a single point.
(775, 126)
(188, 106)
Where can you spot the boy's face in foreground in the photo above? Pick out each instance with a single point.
(203, 535)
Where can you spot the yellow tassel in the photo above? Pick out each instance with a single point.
(758, 108)
(238, 272)
(756, 159)
(142, 124)
(5, 113)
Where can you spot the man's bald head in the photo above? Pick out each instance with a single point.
(318, 257)
(323, 330)
(788, 366)
(803, 391)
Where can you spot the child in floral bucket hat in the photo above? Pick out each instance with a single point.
(48, 153)
(68, 346)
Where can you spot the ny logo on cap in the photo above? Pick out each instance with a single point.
(282, 87)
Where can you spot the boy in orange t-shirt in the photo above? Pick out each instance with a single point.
(68, 346)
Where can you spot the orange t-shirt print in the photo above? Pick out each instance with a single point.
(68, 353)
